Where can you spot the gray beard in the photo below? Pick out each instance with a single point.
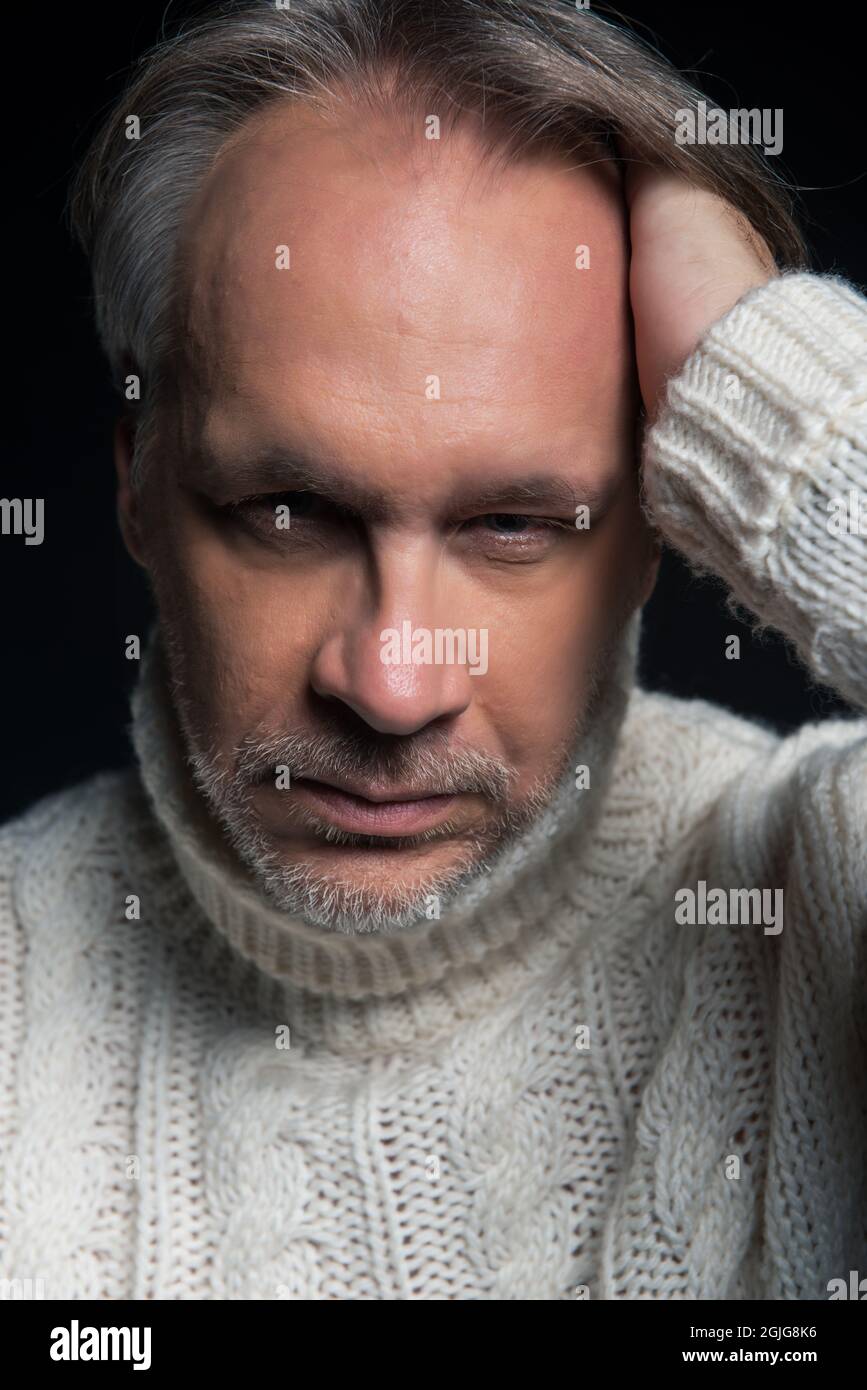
(517, 839)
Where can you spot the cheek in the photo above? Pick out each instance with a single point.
(541, 663)
(242, 643)
(545, 649)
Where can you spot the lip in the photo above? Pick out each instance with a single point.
(372, 814)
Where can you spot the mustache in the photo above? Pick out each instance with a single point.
(430, 763)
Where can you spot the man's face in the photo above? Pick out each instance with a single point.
(396, 390)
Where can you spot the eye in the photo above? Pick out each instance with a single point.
(515, 533)
(508, 523)
(279, 515)
(300, 504)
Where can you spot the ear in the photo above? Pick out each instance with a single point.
(128, 510)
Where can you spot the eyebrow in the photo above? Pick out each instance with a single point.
(539, 490)
(281, 470)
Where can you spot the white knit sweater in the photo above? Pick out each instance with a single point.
(433, 1130)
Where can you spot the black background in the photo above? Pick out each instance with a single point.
(68, 604)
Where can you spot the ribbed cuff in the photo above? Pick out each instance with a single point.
(756, 469)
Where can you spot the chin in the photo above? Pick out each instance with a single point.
(355, 890)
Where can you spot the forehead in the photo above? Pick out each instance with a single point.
(346, 271)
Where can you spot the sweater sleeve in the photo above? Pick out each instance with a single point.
(756, 468)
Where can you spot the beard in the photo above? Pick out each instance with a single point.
(335, 899)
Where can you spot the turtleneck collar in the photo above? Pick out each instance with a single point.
(503, 912)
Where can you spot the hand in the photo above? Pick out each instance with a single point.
(693, 257)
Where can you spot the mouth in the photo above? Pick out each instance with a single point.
(374, 812)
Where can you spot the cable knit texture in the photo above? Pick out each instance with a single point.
(439, 1126)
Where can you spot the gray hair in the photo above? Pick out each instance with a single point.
(541, 74)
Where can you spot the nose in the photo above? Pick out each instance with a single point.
(380, 660)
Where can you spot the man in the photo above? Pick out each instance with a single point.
(423, 955)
